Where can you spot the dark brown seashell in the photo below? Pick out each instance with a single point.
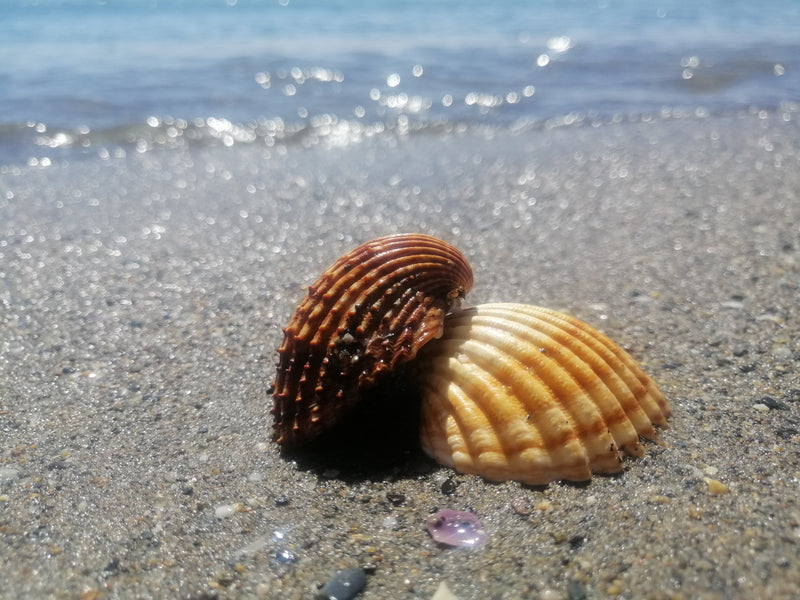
(373, 309)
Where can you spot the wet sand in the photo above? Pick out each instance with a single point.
(142, 299)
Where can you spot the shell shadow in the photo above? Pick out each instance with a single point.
(378, 440)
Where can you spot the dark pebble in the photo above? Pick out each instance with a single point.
(69, 370)
(576, 541)
(772, 404)
(786, 433)
(281, 501)
(449, 486)
(395, 499)
(112, 566)
(345, 585)
(747, 368)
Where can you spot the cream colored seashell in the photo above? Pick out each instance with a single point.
(512, 391)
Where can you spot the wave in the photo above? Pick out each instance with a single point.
(37, 143)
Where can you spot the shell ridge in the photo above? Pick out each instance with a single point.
(539, 350)
(649, 398)
(572, 430)
(353, 303)
(618, 403)
(444, 436)
(543, 449)
(391, 276)
(594, 368)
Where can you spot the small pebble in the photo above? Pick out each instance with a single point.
(734, 304)
(449, 486)
(344, 585)
(389, 522)
(576, 541)
(575, 590)
(456, 528)
(395, 499)
(615, 589)
(772, 404)
(443, 593)
(659, 499)
(521, 506)
(224, 511)
(716, 487)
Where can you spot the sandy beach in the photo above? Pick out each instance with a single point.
(142, 300)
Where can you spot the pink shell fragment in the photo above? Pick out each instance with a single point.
(456, 528)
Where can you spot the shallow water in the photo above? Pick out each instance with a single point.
(95, 78)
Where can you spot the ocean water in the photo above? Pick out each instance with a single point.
(97, 79)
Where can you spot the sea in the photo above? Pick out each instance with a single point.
(98, 79)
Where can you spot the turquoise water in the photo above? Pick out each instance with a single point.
(85, 77)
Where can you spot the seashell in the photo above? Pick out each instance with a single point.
(367, 313)
(512, 391)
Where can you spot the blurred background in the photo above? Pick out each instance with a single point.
(103, 78)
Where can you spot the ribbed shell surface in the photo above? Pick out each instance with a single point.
(512, 391)
(371, 310)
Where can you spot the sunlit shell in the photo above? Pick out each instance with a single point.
(370, 311)
(512, 391)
